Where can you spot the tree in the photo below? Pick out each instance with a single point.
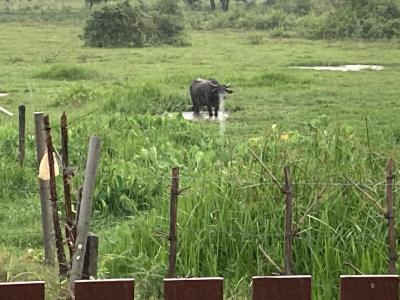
(225, 5)
(212, 4)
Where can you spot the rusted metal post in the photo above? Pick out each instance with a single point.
(390, 218)
(369, 287)
(32, 290)
(118, 289)
(85, 210)
(44, 191)
(209, 288)
(172, 223)
(63, 268)
(297, 287)
(288, 221)
(67, 174)
(21, 145)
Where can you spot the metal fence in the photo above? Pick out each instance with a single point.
(365, 287)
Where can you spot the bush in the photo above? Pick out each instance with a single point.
(117, 25)
(123, 25)
(169, 23)
(371, 19)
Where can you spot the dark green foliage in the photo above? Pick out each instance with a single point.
(371, 19)
(366, 19)
(169, 23)
(117, 25)
(126, 25)
(296, 7)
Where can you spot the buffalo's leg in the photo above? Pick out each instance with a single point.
(210, 110)
(196, 109)
(216, 111)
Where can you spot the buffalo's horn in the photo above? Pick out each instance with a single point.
(228, 84)
(214, 85)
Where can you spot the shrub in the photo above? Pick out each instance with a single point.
(117, 25)
(371, 19)
(169, 23)
(124, 25)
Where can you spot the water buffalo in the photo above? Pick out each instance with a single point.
(208, 92)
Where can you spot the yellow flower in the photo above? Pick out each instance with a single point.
(285, 137)
(255, 140)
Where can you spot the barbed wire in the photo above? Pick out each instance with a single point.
(251, 238)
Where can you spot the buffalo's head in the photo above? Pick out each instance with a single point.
(222, 89)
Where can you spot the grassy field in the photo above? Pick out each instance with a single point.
(232, 205)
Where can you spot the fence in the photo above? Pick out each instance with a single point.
(278, 287)
(365, 287)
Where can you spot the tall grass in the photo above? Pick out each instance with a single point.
(231, 205)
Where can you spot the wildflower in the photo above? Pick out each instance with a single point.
(273, 126)
(285, 137)
(254, 140)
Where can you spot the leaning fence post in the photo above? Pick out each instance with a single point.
(390, 217)
(172, 222)
(69, 227)
(44, 190)
(91, 257)
(85, 210)
(21, 145)
(62, 264)
(288, 221)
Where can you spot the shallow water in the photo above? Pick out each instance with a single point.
(343, 68)
(188, 115)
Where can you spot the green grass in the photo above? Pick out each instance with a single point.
(231, 205)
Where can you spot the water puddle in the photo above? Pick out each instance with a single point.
(222, 116)
(188, 115)
(342, 68)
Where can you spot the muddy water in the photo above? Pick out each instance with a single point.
(188, 115)
(221, 119)
(343, 68)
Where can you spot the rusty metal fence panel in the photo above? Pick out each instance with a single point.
(32, 290)
(193, 288)
(281, 288)
(369, 287)
(109, 289)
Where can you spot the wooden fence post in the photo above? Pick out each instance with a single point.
(172, 223)
(62, 264)
(85, 210)
(390, 218)
(21, 146)
(288, 221)
(69, 227)
(44, 191)
(91, 256)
